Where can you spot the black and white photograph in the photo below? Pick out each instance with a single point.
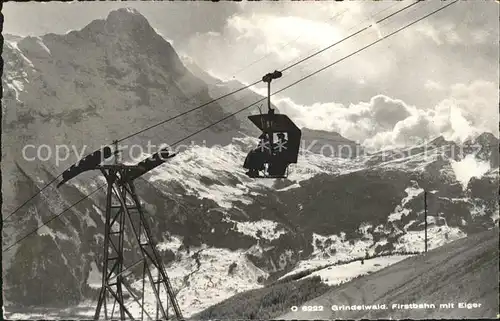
(266, 160)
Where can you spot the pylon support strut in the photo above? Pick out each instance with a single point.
(124, 214)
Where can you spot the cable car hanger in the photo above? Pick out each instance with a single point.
(270, 159)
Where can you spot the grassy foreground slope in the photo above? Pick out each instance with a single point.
(464, 271)
(265, 303)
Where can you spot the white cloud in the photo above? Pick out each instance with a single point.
(478, 103)
(265, 37)
(384, 121)
(469, 167)
(286, 29)
(440, 34)
(433, 85)
(357, 97)
(449, 121)
(277, 41)
(480, 36)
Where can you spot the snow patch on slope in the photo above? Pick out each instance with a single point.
(338, 274)
(31, 316)
(87, 219)
(220, 165)
(330, 250)
(268, 228)
(340, 247)
(411, 193)
(310, 165)
(15, 75)
(173, 243)
(495, 217)
(477, 209)
(217, 173)
(95, 277)
(493, 173)
(45, 230)
(413, 162)
(132, 10)
(15, 89)
(396, 216)
(436, 236)
(13, 45)
(202, 277)
(39, 41)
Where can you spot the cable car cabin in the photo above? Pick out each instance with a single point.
(278, 146)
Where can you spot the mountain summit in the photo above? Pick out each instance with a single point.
(123, 22)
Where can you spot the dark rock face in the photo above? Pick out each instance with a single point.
(358, 197)
(114, 75)
(485, 147)
(50, 267)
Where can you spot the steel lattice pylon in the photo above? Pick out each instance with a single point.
(125, 217)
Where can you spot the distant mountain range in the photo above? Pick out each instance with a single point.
(117, 76)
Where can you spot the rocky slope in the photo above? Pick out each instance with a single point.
(116, 76)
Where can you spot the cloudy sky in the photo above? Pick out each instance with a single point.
(437, 77)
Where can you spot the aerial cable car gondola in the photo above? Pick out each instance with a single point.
(279, 142)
